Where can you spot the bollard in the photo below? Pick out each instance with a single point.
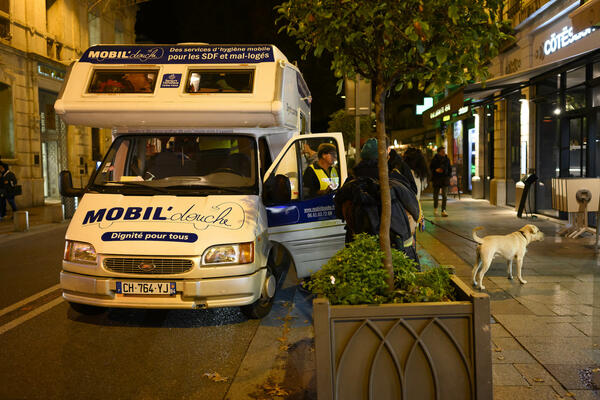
(21, 221)
(57, 212)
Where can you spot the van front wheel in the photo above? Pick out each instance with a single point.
(261, 307)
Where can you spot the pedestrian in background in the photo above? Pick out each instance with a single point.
(440, 178)
(418, 167)
(8, 188)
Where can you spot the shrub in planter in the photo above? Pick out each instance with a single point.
(429, 339)
(354, 275)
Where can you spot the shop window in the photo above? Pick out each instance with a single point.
(548, 151)
(596, 96)
(548, 86)
(119, 32)
(94, 29)
(7, 138)
(5, 19)
(577, 147)
(596, 70)
(575, 98)
(575, 77)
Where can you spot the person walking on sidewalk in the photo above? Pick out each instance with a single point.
(8, 184)
(440, 178)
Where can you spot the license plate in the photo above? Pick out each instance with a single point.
(147, 288)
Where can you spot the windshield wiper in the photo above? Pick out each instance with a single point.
(211, 187)
(159, 189)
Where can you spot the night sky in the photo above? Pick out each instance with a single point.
(238, 22)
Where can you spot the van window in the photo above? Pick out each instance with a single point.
(299, 164)
(224, 81)
(225, 163)
(123, 81)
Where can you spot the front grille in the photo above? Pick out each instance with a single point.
(162, 266)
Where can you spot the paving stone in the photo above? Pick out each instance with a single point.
(584, 327)
(573, 376)
(585, 394)
(559, 350)
(536, 307)
(498, 331)
(510, 306)
(524, 325)
(536, 374)
(525, 393)
(507, 375)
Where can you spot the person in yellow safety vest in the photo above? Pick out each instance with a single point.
(322, 177)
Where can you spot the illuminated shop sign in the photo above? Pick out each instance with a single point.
(564, 38)
(439, 111)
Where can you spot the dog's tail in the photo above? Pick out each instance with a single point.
(475, 237)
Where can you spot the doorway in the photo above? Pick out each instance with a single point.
(53, 144)
(577, 147)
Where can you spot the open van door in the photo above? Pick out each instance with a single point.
(302, 221)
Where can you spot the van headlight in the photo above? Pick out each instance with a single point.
(80, 252)
(239, 253)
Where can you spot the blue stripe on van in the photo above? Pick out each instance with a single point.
(192, 54)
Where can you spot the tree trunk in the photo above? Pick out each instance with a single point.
(384, 184)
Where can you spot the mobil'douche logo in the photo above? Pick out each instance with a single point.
(228, 215)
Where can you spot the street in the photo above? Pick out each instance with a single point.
(544, 333)
(120, 354)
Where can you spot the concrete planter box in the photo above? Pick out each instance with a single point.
(405, 351)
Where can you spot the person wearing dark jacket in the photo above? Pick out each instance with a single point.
(440, 178)
(358, 203)
(8, 184)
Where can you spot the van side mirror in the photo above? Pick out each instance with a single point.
(277, 190)
(66, 185)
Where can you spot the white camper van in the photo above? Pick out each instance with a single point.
(203, 188)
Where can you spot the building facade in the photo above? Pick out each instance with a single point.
(38, 41)
(540, 110)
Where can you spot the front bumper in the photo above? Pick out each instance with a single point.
(190, 293)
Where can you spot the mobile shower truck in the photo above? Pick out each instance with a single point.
(201, 194)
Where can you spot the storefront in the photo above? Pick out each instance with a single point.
(540, 112)
(455, 129)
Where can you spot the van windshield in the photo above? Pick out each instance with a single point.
(179, 164)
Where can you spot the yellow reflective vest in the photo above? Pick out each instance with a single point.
(333, 180)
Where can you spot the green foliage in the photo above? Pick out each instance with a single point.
(433, 43)
(354, 275)
(342, 122)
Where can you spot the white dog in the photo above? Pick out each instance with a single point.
(512, 246)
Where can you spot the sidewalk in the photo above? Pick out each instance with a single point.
(544, 333)
(40, 218)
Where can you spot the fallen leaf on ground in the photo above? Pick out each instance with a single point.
(215, 377)
(596, 370)
(498, 349)
(538, 380)
(500, 357)
(275, 390)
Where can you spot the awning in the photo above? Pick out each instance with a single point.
(517, 80)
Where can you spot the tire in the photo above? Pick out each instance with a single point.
(261, 307)
(86, 309)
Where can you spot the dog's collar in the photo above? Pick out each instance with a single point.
(521, 232)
